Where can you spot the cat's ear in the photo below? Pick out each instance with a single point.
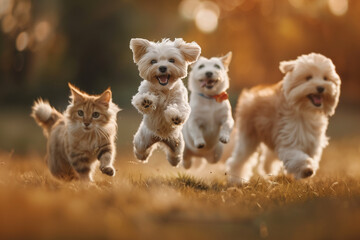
(105, 97)
(76, 94)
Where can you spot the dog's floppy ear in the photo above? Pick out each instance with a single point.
(226, 60)
(190, 51)
(287, 66)
(139, 47)
(331, 104)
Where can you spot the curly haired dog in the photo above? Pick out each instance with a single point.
(290, 118)
(162, 97)
(210, 122)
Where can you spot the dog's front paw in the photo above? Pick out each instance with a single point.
(177, 120)
(108, 170)
(305, 171)
(199, 143)
(174, 117)
(224, 139)
(146, 103)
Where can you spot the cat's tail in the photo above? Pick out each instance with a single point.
(45, 115)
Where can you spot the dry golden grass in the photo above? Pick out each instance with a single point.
(151, 200)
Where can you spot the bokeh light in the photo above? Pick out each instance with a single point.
(188, 8)
(206, 20)
(297, 3)
(204, 13)
(8, 23)
(5, 6)
(338, 7)
(42, 30)
(22, 41)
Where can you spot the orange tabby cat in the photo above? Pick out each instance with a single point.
(84, 133)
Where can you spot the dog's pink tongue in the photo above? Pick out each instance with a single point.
(316, 99)
(163, 79)
(203, 83)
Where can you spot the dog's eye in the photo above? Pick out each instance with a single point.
(217, 66)
(172, 60)
(95, 115)
(308, 78)
(153, 61)
(325, 78)
(201, 66)
(80, 113)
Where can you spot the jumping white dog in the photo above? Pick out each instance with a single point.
(210, 122)
(290, 118)
(162, 97)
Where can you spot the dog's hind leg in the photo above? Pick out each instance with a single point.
(269, 165)
(144, 141)
(175, 149)
(215, 154)
(187, 159)
(239, 169)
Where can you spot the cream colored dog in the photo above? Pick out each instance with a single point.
(210, 122)
(290, 118)
(162, 97)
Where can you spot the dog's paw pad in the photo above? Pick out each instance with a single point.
(176, 120)
(200, 145)
(307, 172)
(224, 139)
(108, 171)
(146, 103)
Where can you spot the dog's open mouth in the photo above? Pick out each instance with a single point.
(208, 83)
(316, 99)
(163, 79)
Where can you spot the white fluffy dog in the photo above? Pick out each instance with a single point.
(210, 122)
(290, 118)
(162, 97)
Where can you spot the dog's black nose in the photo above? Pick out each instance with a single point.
(209, 74)
(162, 69)
(86, 124)
(320, 89)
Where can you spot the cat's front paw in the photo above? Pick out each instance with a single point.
(108, 170)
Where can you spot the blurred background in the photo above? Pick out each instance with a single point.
(46, 43)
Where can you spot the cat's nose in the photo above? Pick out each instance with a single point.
(86, 124)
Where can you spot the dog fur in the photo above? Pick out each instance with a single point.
(290, 118)
(210, 122)
(162, 97)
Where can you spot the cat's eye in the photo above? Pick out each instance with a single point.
(325, 78)
(172, 60)
(217, 66)
(308, 78)
(95, 115)
(201, 66)
(80, 113)
(153, 61)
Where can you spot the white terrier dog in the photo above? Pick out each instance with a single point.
(210, 122)
(290, 118)
(162, 97)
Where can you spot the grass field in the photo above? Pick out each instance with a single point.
(147, 201)
(154, 200)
